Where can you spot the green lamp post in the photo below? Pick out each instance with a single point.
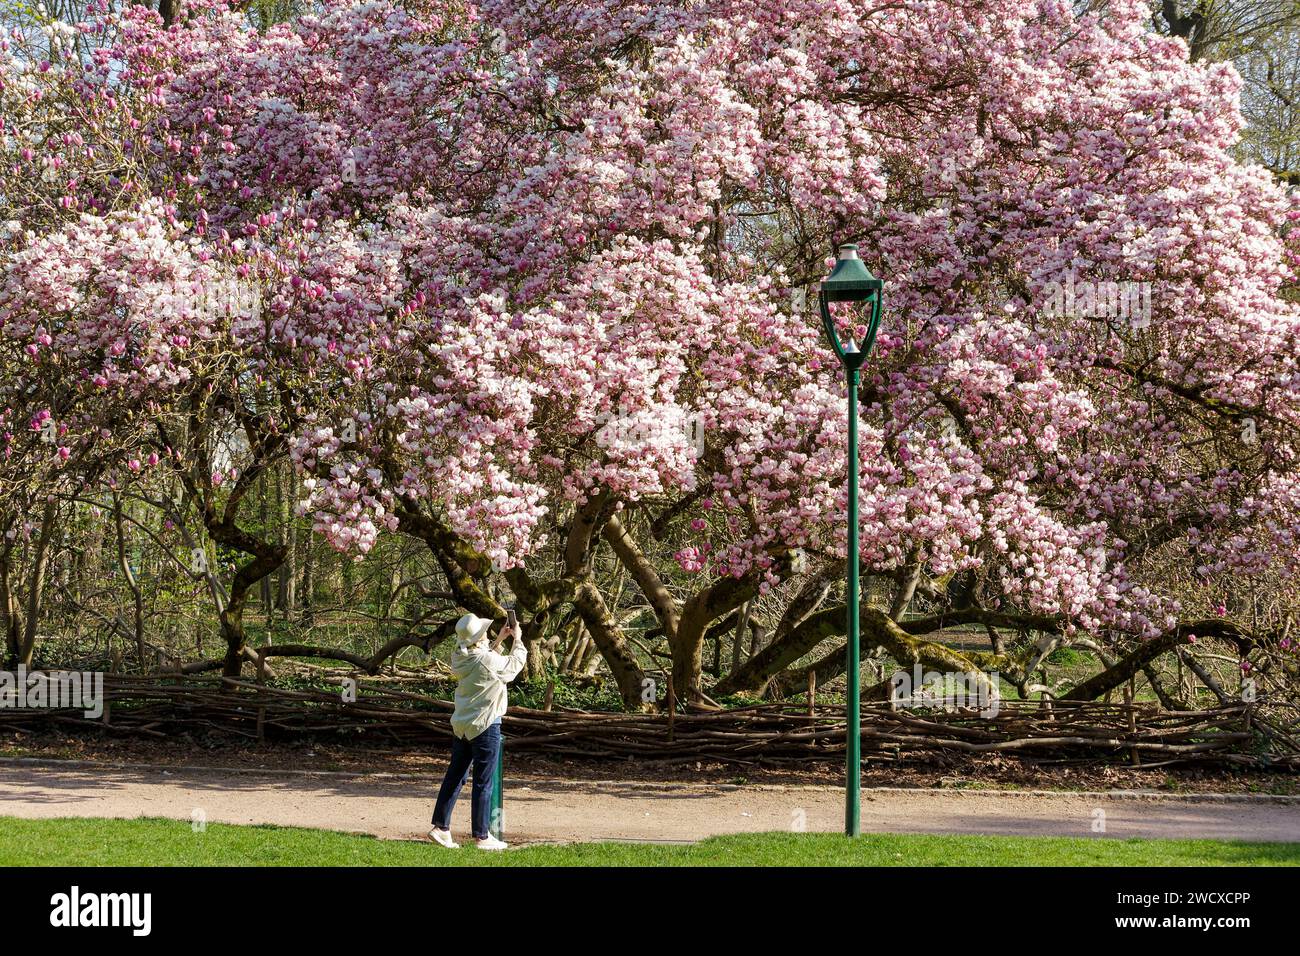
(496, 825)
(851, 281)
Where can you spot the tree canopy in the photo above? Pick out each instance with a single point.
(533, 284)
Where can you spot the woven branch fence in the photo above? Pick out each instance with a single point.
(1144, 734)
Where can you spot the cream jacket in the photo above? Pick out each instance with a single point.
(482, 674)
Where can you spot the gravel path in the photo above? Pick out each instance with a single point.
(537, 810)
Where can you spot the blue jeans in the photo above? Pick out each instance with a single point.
(482, 752)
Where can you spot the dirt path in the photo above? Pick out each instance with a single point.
(399, 806)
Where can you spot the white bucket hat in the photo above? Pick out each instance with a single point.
(470, 629)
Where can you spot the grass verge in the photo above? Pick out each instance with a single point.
(81, 841)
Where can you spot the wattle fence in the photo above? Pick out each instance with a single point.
(769, 733)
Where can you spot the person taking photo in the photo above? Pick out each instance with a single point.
(481, 677)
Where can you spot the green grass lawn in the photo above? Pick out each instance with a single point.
(155, 842)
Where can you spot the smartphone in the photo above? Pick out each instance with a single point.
(511, 620)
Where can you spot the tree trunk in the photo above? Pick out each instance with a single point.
(10, 618)
(588, 521)
(704, 607)
(611, 643)
(878, 630)
(784, 651)
(268, 595)
(286, 592)
(738, 638)
(232, 615)
(307, 598)
(264, 559)
(1126, 667)
(137, 599)
(36, 584)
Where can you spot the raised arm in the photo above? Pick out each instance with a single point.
(515, 662)
(508, 667)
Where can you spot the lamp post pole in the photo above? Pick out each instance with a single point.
(853, 713)
(496, 824)
(851, 281)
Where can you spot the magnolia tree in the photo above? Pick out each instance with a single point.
(537, 288)
(137, 348)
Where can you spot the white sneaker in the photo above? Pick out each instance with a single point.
(491, 843)
(443, 837)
